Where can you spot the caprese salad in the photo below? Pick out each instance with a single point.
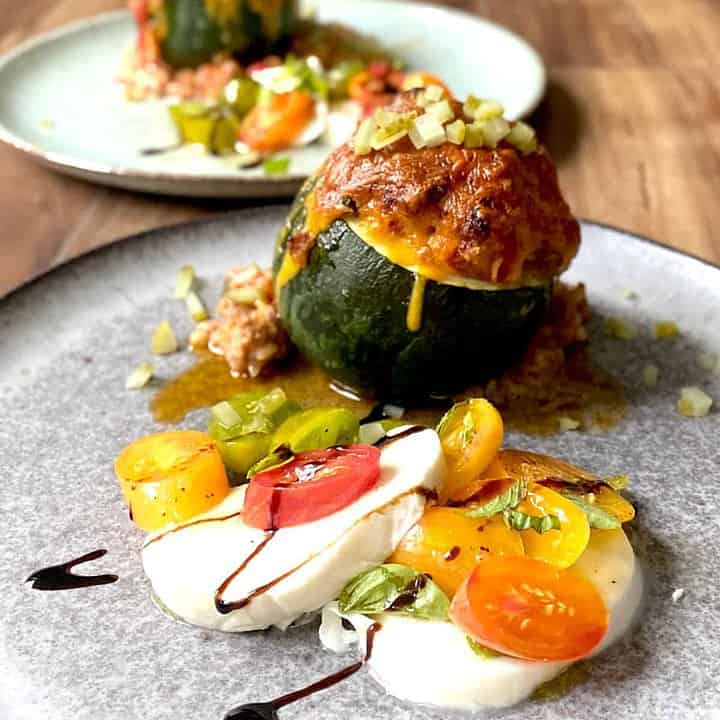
(482, 571)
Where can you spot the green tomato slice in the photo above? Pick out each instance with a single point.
(317, 428)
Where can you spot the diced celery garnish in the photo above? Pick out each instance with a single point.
(381, 139)
(195, 307)
(163, 341)
(455, 132)
(650, 375)
(276, 166)
(523, 137)
(384, 117)
(470, 106)
(666, 329)
(441, 111)
(225, 414)
(270, 403)
(495, 130)
(362, 142)
(426, 131)
(620, 329)
(474, 136)
(694, 402)
(434, 93)
(488, 109)
(140, 376)
(245, 295)
(185, 280)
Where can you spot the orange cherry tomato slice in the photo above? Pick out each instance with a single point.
(447, 545)
(530, 609)
(276, 123)
(170, 477)
(311, 486)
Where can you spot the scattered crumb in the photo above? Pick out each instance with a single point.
(620, 329)
(708, 361)
(568, 423)
(694, 402)
(140, 376)
(666, 329)
(650, 375)
(678, 595)
(163, 340)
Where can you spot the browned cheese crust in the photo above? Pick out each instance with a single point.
(495, 215)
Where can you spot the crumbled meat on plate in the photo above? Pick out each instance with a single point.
(247, 330)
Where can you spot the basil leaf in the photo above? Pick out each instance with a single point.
(480, 650)
(517, 520)
(597, 517)
(506, 500)
(617, 482)
(394, 588)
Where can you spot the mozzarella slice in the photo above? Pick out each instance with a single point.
(431, 662)
(275, 578)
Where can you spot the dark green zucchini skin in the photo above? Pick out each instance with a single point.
(346, 311)
(194, 37)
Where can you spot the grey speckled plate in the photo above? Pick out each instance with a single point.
(67, 343)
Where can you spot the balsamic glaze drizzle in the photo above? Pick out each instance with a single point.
(59, 577)
(388, 439)
(268, 710)
(227, 607)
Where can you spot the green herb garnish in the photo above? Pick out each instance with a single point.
(480, 650)
(597, 517)
(394, 588)
(517, 520)
(505, 501)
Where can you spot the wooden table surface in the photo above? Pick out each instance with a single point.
(632, 117)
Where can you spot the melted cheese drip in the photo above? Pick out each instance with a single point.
(415, 306)
(399, 252)
(288, 270)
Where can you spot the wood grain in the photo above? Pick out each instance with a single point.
(632, 117)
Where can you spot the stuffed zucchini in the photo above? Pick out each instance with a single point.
(192, 32)
(422, 256)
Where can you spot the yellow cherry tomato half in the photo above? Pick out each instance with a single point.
(170, 477)
(561, 547)
(447, 545)
(471, 434)
(614, 503)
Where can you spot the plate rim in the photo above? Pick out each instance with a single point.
(228, 214)
(124, 176)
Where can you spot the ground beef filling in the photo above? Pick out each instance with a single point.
(247, 330)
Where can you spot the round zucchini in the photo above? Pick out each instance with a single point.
(346, 310)
(193, 31)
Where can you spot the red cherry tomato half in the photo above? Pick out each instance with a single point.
(530, 609)
(312, 485)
